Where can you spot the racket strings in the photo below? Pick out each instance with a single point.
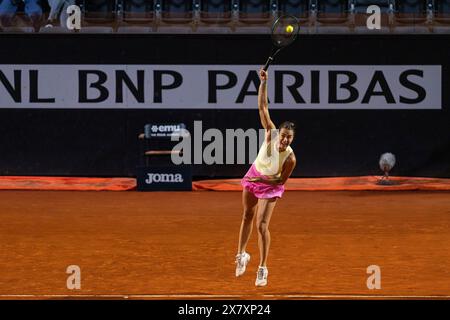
(284, 31)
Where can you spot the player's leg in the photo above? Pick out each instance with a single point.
(249, 202)
(264, 213)
(265, 209)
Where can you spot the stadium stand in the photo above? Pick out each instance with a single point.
(254, 16)
(226, 16)
(137, 16)
(57, 17)
(298, 8)
(360, 15)
(138, 11)
(215, 16)
(412, 16)
(177, 11)
(20, 16)
(177, 16)
(442, 11)
(216, 11)
(254, 11)
(99, 16)
(441, 16)
(55, 29)
(332, 16)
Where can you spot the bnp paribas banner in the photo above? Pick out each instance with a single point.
(220, 86)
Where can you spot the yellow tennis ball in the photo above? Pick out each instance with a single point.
(289, 28)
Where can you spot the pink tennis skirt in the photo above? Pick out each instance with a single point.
(259, 189)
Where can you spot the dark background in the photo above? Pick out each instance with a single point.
(328, 142)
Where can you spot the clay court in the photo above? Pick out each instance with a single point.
(164, 245)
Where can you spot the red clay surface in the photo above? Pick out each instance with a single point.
(293, 184)
(183, 243)
(337, 184)
(66, 183)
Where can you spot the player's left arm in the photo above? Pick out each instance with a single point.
(286, 172)
(288, 167)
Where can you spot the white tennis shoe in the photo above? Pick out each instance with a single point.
(261, 276)
(241, 263)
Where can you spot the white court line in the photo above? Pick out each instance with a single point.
(355, 296)
(305, 296)
(124, 296)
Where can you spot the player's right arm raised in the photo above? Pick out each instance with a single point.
(263, 104)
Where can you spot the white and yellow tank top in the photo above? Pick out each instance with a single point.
(269, 160)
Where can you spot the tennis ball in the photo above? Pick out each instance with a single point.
(289, 28)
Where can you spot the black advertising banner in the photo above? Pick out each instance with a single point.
(352, 98)
(227, 309)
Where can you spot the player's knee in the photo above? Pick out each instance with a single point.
(263, 227)
(248, 214)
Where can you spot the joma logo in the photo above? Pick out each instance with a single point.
(163, 177)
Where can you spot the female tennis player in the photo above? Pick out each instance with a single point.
(264, 184)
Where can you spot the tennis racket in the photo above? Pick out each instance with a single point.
(284, 32)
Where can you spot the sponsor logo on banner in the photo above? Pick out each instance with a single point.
(164, 130)
(220, 86)
(163, 178)
(167, 177)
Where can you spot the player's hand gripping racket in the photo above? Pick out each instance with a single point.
(284, 32)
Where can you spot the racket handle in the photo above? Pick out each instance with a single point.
(268, 62)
